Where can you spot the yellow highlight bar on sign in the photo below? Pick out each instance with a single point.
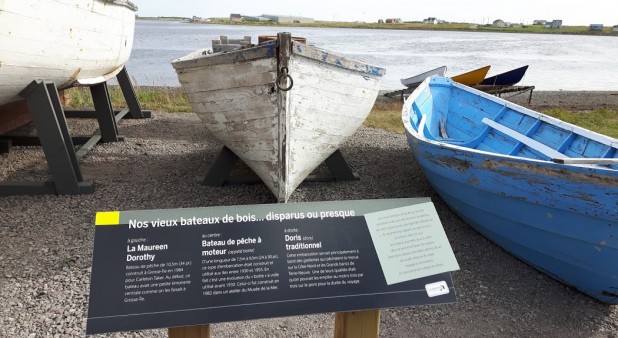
(107, 218)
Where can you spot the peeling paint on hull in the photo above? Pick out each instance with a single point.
(561, 219)
(281, 135)
(69, 42)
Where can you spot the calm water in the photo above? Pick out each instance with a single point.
(557, 62)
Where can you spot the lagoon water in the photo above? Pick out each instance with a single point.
(557, 62)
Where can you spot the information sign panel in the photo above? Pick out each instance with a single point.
(184, 267)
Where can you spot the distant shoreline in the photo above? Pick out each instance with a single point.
(459, 27)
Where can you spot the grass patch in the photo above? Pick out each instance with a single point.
(603, 121)
(151, 98)
(384, 115)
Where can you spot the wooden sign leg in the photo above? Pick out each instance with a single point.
(357, 324)
(200, 331)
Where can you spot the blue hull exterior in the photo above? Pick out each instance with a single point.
(507, 78)
(560, 218)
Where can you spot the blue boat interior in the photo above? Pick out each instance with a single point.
(450, 114)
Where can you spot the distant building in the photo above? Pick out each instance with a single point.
(380, 21)
(288, 19)
(615, 28)
(235, 17)
(394, 20)
(596, 27)
(554, 24)
(499, 23)
(255, 18)
(430, 21)
(539, 22)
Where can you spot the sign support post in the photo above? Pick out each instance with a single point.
(199, 331)
(357, 324)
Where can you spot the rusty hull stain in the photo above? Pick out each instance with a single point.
(598, 179)
(450, 162)
(584, 197)
(72, 79)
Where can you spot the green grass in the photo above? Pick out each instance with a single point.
(603, 121)
(386, 116)
(151, 98)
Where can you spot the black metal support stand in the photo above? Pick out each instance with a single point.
(134, 111)
(129, 96)
(5, 146)
(53, 135)
(105, 113)
(44, 106)
(219, 173)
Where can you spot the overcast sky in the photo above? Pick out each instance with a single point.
(573, 13)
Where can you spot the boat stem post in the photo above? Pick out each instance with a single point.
(51, 126)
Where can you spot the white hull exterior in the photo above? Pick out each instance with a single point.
(281, 135)
(68, 42)
(417, 79)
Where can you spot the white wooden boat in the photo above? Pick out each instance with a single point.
(282, 107)
(68, 42)
(417, 79)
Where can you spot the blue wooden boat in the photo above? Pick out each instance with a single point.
(542, 189)
(507, 78)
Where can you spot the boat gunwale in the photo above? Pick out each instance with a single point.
(407, 107)
(124, 3)
(408, 81)
(335, 59)
(199, 58)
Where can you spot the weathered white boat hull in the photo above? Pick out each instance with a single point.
(417, 79)
(68, 42)
(281, 135)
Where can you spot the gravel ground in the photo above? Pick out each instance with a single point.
(46, 241)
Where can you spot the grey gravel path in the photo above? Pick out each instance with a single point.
(46, 241)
